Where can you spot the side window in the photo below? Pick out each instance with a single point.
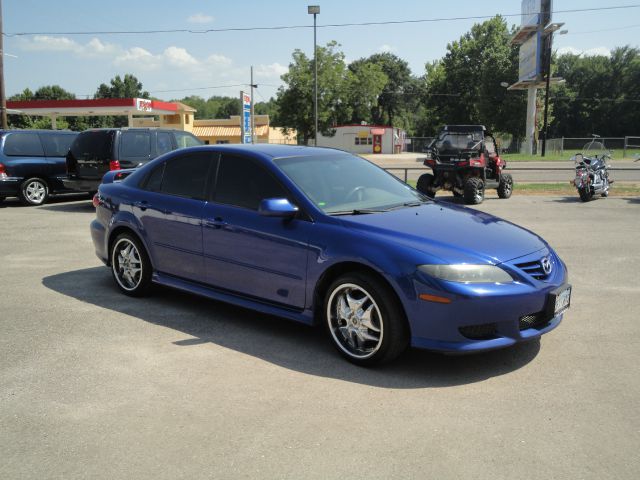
(164, 143)
(56, 145)
(23, 145)
(185, 139)
(153, 181)
(244, 183)
(186, 175)
(135, 144)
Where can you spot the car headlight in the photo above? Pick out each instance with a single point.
(467, 273)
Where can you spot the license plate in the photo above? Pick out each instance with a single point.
(562, 300)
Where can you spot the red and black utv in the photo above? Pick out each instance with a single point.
(465, 161)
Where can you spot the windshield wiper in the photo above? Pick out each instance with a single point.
(359, 211)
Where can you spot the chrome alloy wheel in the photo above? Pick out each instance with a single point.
(127, 264)
(35, 191)
(355, 322)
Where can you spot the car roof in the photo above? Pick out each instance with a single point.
(46, 132)
(274, 150)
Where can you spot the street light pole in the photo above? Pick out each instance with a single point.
(3, 99)
(315, 10)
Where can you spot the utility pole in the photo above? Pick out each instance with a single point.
(3, 99)
(253, 120)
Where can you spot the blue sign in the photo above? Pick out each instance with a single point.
(247, 136)
(529, 65)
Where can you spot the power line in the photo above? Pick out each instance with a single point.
(290, 27)
(605, 30)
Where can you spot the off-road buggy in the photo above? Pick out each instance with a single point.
(465, 161)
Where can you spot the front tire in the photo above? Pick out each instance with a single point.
(505, 187)
(364, 320)
(473, 191)
(130, 266)
(33, 191)
(424, 185)
(585, 194)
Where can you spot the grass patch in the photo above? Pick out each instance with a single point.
(562, 188)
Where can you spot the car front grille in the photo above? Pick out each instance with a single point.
(534, 269)
(534, 320)
(485, 331)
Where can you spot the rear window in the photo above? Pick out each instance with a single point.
(185, 139)
(56, 145)
(95, 144)
(23, 144)
(135, 144)
(186, 176)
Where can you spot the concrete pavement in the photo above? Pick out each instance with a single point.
(94, 384)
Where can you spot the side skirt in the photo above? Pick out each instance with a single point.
(302, 316)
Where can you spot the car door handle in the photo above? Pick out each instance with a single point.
(215, 223)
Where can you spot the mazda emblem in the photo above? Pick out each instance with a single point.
(546, 265)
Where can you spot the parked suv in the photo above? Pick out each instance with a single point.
(95, 152)
(32, 163)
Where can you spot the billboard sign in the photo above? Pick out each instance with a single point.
(530, 64)
(535, 12)
(246, 118)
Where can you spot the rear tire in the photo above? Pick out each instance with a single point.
(473, 191)
(365, 320)
(505, 187)
(130, 265)
(2, 199)
(424, 185)
(33, 191)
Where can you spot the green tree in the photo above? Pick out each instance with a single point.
(464, 87)
(127, 87)
(365, 83)
(393, 102)
(600, 94)
(295, 98)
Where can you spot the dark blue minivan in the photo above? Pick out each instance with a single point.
(33, 163)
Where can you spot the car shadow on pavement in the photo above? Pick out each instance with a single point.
(279, 341)
(84, 206)
(55, 202)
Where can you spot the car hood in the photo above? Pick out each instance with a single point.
(453, 234)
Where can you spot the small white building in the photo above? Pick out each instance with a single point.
(365, 139)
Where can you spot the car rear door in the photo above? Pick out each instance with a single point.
(245, 252)
(170, 209)
(90, 154)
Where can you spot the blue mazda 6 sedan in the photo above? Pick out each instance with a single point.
(322, 236)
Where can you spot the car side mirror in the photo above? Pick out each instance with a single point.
(277, 207)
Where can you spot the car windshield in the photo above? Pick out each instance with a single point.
(451, 141)
(347, 184)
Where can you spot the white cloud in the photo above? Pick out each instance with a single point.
(386, 48)
(591, 52)
(45, 43)
(274, 70)
(179, 57)
(138, 57)
(200, 18)
(219, 60)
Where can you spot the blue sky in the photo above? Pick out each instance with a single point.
(185, 63)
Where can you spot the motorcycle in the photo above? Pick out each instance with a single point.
(592, 171)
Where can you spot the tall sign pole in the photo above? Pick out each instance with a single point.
(253, 120)
(3, 99)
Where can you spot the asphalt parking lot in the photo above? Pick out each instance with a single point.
(94, 384)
